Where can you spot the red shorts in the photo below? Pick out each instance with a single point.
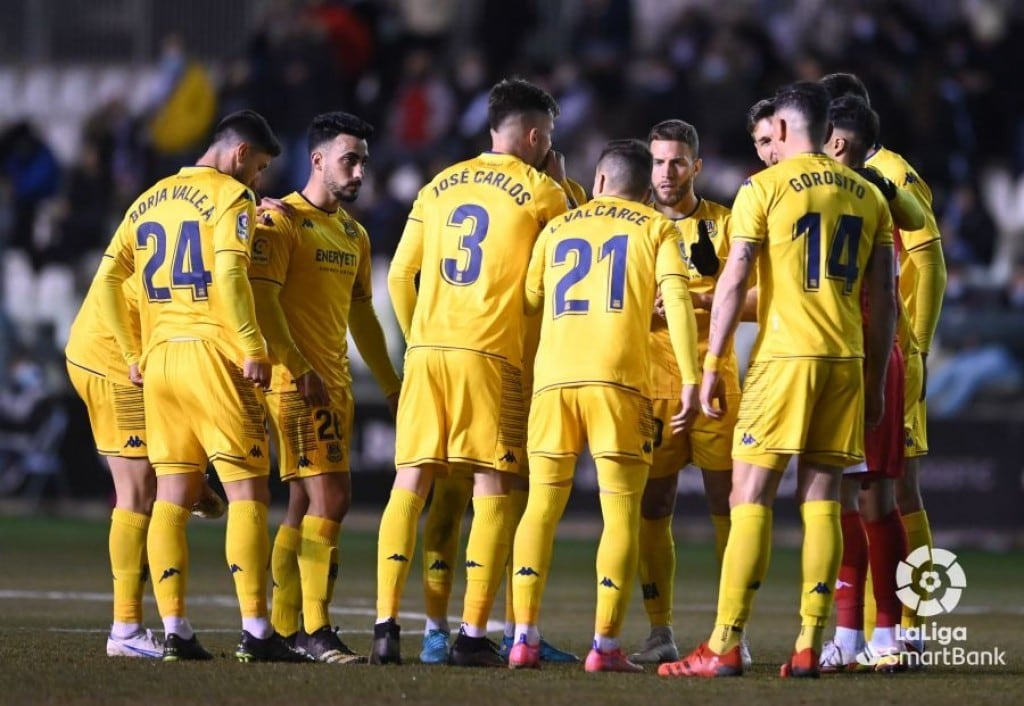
(884, 445)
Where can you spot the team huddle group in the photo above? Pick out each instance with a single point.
(538, 322)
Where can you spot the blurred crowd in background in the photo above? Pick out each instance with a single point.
(940, 74)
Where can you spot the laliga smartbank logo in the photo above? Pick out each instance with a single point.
(931, 582)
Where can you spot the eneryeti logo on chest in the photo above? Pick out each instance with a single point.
(336, 257)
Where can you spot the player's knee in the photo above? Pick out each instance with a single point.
(659, 498)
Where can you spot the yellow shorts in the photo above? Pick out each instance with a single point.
(810, 407)
(613, 422)
(460, 408)
(199, 408)
(311, 441)
(915, 412)
(708, 445)
(116, 413)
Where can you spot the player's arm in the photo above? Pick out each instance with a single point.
(533, 294)
(406, 264)
(366, 329)
(881, 328)
(906, 210)
(930, 284)
(117, 265)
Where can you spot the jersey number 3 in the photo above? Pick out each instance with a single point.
(187, 269)
(479, 221)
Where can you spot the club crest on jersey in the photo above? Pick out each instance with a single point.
(350, 229)
(711, 226)
(242, 226)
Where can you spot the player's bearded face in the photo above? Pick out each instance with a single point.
(344, 165)
(673, 172)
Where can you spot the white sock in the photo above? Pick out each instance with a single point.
(122, 631)
(530, 633)
(259, 628)
(884, 638)
(850, 641)
(510, 630)
(178, 626)
(436, 624)
(474, 631)
(603, 643)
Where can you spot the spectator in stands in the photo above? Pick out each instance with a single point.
(29, 166)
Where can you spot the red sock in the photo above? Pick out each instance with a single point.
(852, 573)
(887, 541)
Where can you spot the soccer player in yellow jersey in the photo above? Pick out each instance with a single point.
(922, 285)
(759, 127)
(311, 280)
(468, 238)
(186, 243)
(675, 149)
(819, 233)
(594, 273)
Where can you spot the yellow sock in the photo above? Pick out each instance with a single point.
(286, 599)
(517, 504)
(617, 557)
(396, 543)
(318, 560)
(657, 568)
(247, 549)
(534, 545)
(822, 553)
(127, 544)
(167, 546)
(487, 553)
(919, 534)
(442, 531)
(744, 565)
(721, 523)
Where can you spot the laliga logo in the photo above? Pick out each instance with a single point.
(930, 583)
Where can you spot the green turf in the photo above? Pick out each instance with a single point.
(52, 650)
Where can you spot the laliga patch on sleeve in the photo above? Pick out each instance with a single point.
(242, 226)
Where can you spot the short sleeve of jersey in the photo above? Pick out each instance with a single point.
(749, 216)
(669, 260)
(234, 229)
(551, 200)
(362, 287)
(272, 245)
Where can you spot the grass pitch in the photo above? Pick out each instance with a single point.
(55, 610)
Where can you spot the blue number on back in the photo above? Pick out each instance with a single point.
(155, 231)
(842, 251)
(584, 258)
(469, 243)
(616, 248)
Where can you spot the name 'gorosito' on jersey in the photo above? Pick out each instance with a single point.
(321, 260)
(598, 268)
(817, 223)
(469, 235)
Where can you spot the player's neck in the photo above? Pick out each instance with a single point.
(683, 209)
(319, 197)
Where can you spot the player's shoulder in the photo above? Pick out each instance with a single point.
(895, 166)
(708, 209)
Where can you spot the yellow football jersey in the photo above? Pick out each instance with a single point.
(817, 223)
(91, 343)
(665, 378)
(321, 261)
(469, 235)
(168, 241)
(597, 268)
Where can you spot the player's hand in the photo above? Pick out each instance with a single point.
(393, 405)
(135, 375)
(924, 377)
(689, 402)
(312, 389)
(702, 253)
(257, 370)
(269, 204)
(554, 166)
(712, 391)
(874, 408)
(886, 186)
(702, 300)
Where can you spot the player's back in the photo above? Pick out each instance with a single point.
(598, 268)
(480, 219)
(91, 342)
(176, 229)
(822, 221)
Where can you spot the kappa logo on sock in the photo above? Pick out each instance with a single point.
(235, 568)
(526, 571)
(168, 573)
(470, 564)
(608, 583)
(439, 565)
(650, 591)
(820, 588)
(398, 557)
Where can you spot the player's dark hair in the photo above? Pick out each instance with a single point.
(809, 99)
(845, 84)
(514, 96)
(761, 110)
(627, 165)
(675, 130)
(247, 126)
(326, 126)
(852, 114)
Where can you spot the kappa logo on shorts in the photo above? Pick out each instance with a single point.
(306, 223)
(509, 457)
(304, 462)
(908, 441)
(134, 442)
(647, 447)
(256, 451)
(748, 440)
(334, 454)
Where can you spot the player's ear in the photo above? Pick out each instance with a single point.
(316, 159)
(698, 164)
(242, 151)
